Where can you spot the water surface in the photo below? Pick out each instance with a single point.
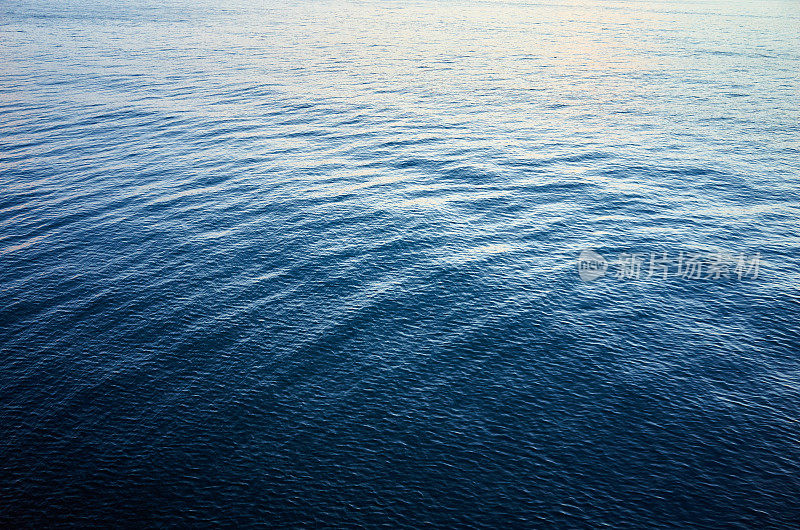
(314, 263)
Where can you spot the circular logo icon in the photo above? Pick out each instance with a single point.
(591, 265)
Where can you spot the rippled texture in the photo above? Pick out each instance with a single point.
(314, 263)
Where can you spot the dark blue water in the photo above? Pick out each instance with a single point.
(314, 263)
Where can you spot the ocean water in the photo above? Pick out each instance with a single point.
(315, 263)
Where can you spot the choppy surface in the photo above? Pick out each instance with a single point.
(315, 263)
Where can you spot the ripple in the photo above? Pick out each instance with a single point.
(315, 264)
